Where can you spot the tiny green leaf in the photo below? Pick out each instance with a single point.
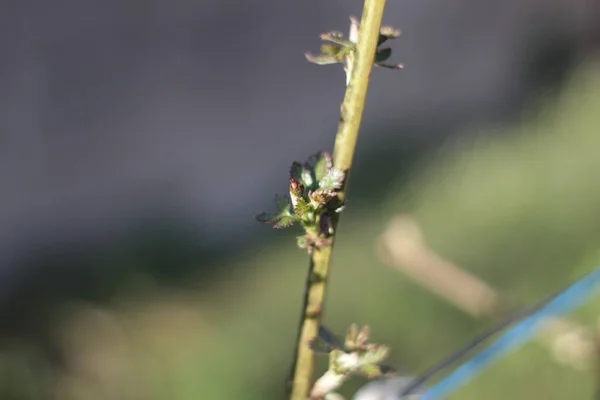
(363, 336)
(334, 355)
(357, 358)
(296, 190)
(334, 34)
(390, 66)
(382, 39)
(320, 197)
(351, 337)
(389, 32)
(296, 171)
(323, 164)
(301, 207)
(375, 354)
(306, 177)
(370, 371)
(267, 218)
(312, 161)
(322, 59)
(332, 180)
(337, 38)
(343, 53)
(383, 55)
(283, 204)
(299, 203)
(284, 222)
(330, 49)
(280, 219)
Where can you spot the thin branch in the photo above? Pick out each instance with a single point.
(345, 145)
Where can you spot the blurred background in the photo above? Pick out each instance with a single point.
(139, 138)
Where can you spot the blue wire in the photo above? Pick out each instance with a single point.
(574, 296)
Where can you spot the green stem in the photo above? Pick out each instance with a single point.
(343, 154)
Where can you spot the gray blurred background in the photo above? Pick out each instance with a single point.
(139, 138)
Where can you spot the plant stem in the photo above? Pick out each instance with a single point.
(343, 154)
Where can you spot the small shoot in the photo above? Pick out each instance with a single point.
(312, 201)
(342, 50)
(356, 356)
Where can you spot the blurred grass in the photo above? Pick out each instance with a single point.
(518, 207)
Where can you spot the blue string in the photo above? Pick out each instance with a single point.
(574, 296)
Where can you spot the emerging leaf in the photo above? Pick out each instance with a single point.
(332, 180)
(296, 171)
(383, 55)
(281, 219)
(334, 356)
(363, 337)
(268, 218)
(320, 197)
(296, 194)
(343, 50)
(369, 371)
(337, 38)
(322, 165)
(375, 354)
(350, 342)
(313, 160)
(386, 33)
(382, 39)
(307, 177)
(322, 59)
(347, 362)
(283, 204)
(330, 49)
(312, 195)
(390, 66)
(284, 222)
(358, 357)
(302, 174)
(310, 165)
(278, 220)
(302, 207)
(344, 55)
(389, 32)
(334, 34)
